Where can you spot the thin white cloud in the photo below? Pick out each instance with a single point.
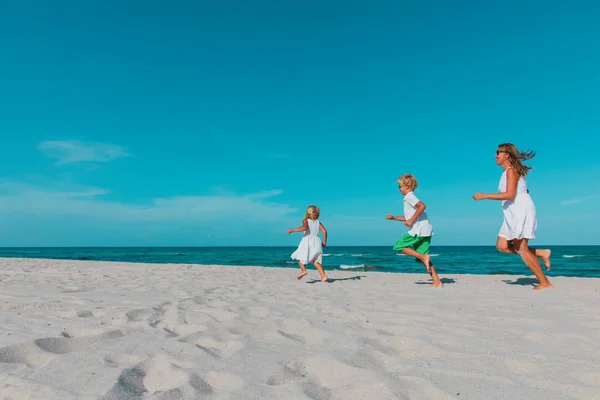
(579, 200)
(72, 151)
(88, 202)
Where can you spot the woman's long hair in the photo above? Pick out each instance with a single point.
(517, 157)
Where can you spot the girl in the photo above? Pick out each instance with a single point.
(310, 249)
(520, 221)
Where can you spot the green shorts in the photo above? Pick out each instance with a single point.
(419, 243)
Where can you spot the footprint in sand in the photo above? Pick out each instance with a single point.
(158, 373)
(217, 349)
(41, 351)
(223, 381)
(121, 360)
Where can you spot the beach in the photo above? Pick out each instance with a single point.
(113, 330)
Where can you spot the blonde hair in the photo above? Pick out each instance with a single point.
(517, 157)
(311, 210)
(409, 181)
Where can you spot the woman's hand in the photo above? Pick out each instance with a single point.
(290, 231)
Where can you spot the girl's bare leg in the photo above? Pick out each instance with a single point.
(504, 246)
(303, 268)
(532, 263)
(319, 268)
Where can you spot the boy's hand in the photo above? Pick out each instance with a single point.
(324, 244)
(409, 222)
(479, 196)
(289, 231)
(389, 216)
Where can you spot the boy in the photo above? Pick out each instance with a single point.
(419, 234)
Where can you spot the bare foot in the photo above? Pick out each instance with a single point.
(324, 279)
(427, 262)
(302, 275)
(545, 256)
(540, 286)
(437, 284)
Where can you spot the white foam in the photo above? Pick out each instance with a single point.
(573, 256)
(359, 255)
(352, 266)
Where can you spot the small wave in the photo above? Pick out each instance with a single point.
(326, 255)
(352, 266)
(359, 255)
(290, 262)
(573, 256)
(338, 255)
(402, 254)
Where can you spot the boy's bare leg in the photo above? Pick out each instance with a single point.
(504, 246)
(424, 258)
(436, 279)
(303, 273)
(319, 268)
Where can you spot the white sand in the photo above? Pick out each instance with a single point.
(97, 330)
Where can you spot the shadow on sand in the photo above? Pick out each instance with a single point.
(332, 280)
(429, 282)
(522, 281)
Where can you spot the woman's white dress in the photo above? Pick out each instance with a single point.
(310, 248)
(520, 221)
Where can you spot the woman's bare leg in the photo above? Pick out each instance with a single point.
(504, 246)
(520, 246)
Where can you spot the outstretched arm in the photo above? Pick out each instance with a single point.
(322, 228)
(420, 208)
(512, 179)
(300, 228)
(398, 218)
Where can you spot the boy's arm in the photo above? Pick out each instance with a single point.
(322, 228)
(398, 218)
(420, 208)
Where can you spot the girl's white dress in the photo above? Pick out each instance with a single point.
(310, 248)
(520, 221)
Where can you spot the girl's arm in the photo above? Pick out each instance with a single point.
(322, 228)
(299, 229)
(399, 218)
(512, 180)
(420, 208)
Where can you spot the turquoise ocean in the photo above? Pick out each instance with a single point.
(580, 261)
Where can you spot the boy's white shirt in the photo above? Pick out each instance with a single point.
(422, 226)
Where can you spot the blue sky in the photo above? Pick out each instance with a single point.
(216, 123)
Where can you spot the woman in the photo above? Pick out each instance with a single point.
(520, 221)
